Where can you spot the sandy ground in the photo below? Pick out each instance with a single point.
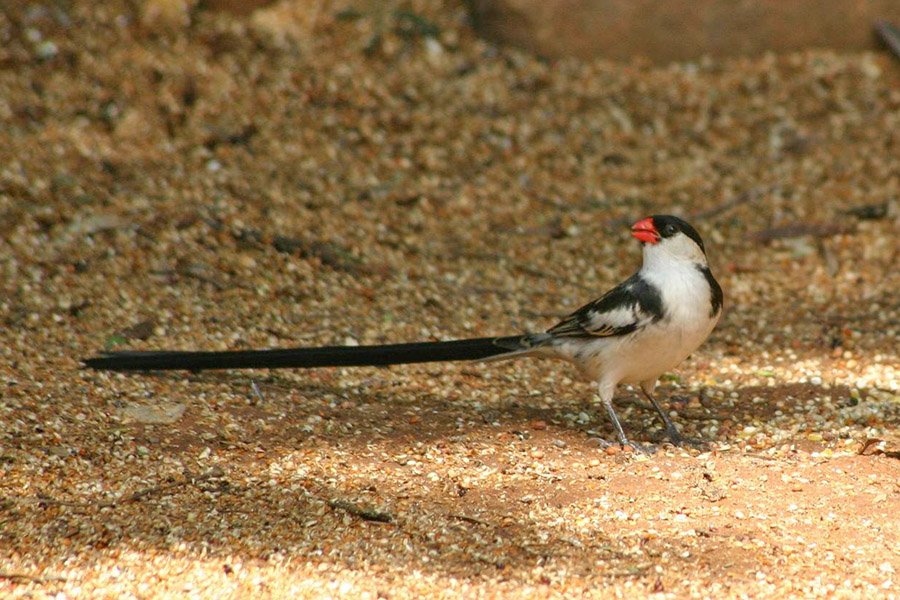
(200, 180)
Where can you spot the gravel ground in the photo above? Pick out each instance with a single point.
(174, 178)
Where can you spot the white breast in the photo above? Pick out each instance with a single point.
(659, 347)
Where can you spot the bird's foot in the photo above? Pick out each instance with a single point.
(680, 441)
(646, 449)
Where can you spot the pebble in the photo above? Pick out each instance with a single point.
(46, 50)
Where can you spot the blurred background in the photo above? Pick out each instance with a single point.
(382, 143)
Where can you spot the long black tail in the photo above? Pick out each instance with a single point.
(325, 356)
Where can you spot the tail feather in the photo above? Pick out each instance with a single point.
(325, 356)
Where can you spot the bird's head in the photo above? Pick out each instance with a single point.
(665, 237)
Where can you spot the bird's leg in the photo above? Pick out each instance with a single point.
(605, 394)
(674, 435)
(620, 433)
(671, 431)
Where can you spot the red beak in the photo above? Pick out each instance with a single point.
(645, 231)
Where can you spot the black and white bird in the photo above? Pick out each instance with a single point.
(634, 333)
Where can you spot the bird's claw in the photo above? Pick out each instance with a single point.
(638, 448)
(680, 441)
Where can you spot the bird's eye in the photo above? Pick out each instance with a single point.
(669, 230)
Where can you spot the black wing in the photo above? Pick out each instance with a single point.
(627, 307)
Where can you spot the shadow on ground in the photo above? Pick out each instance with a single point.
(377, 476)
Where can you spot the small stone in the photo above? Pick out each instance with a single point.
(161, 414)
(46, 50)
(166, 14)
(433, 47)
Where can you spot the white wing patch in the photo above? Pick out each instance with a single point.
(624, 309)
(604, 323)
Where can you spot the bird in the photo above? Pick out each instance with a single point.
(641, 328)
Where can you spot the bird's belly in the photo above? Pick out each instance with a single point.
(661, 352)
(633, 359)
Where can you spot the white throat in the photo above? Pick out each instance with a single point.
(673, 252)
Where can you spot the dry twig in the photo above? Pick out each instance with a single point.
(212, 473)
(800, 229)
(469, 519)
(367, 514)
(744, 197)
(889, 35)
(32, 578)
